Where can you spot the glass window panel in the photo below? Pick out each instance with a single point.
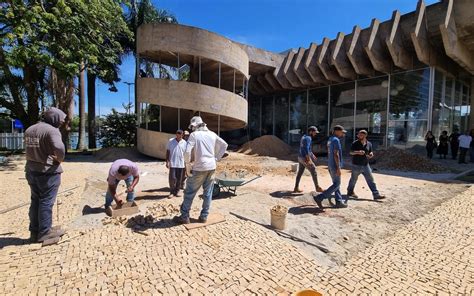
(457, 106)
(169, 119)
(254, 117)
(409, 95)
(371, 109)
(297, 116)
(318, 115)
(440, 119)
(449, 101)
(153, 117)
(267, 116)
(342, 110)
(281, 117)
(465, 108)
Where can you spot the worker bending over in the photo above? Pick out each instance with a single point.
(121, 169)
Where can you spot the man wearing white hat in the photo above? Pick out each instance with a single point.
(206, 148)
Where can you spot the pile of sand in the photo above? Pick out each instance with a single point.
(266, 146)
(401, 160)
(114, 153)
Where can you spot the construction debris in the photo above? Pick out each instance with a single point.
(267, 146)
(151, 216)
(401, 160)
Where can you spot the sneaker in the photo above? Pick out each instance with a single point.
(341, 204)
(202, 220)
(379, 197)
(319, 189)
(297, 190)
(319, 200)
(181, 220)
(52, 233)
(352, 194)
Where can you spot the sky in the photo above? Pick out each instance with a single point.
(274, 25)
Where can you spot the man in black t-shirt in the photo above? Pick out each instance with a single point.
(361, 151)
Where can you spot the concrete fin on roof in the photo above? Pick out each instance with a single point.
(272, 81)
(299, 69)
(339, 57)
(376, 48)
(280, 76)
(288, 72)
(454, 47)
(311, 65)
(401, 57)
(356, 53)
(323, 56)
(264, 83)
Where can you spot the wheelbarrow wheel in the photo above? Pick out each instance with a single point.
(216, 190)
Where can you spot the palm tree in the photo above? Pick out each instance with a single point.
(141, 12)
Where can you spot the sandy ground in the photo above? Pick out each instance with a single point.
(344, 232)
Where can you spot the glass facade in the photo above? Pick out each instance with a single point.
(396, 110)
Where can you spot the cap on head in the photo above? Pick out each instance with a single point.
(363, 132)
(195, 122)
(339, 128)
(180, 131)
(313, 129)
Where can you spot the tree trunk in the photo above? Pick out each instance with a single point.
(82, 110)
(65, 101)
(91, 109)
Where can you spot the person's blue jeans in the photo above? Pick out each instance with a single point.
(334, 188)
(44, 188)
(366, 171)
(130, 195)
(471, 154)
(193, 183)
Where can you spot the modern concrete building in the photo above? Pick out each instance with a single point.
(397, 79)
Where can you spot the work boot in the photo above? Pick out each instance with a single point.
(33, 237)
(341, 204)
(319, 189)
(202, 220)
(52, 233)
(108, 211)
(297, 190)
(181, 220)
(379, 197)
(319, 200)
(352, 194)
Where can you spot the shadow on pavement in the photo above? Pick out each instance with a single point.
(13, 241)
(307, 209)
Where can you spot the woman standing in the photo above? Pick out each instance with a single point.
(430, 144)
(443, 146)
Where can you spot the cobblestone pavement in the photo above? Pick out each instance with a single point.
(429, 255)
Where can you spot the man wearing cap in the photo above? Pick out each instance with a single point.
(361, 151)
(335, 164)
(307, 160)
(175, 162)
(206, 148)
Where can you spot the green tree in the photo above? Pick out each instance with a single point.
(118, 129)
(43, 44)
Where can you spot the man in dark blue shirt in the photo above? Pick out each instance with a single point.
(307, 160)
(335, 164)
(361, 151)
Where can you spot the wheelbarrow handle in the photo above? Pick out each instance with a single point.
(246, 182)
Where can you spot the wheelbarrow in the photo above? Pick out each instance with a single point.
(229, 185)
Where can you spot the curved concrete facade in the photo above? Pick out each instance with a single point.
(189, 95)
(217, 67)
(192, 41)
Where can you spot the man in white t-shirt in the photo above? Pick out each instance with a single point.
(206, 148)
(175, 162)
(464, 142)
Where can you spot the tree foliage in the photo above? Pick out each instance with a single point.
(118, 129)
(44, 39)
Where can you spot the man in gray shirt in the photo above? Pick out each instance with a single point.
(44, 154)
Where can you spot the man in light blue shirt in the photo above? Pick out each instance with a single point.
(335, 164)
(307, 160)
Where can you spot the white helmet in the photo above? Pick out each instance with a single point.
(196, 121)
